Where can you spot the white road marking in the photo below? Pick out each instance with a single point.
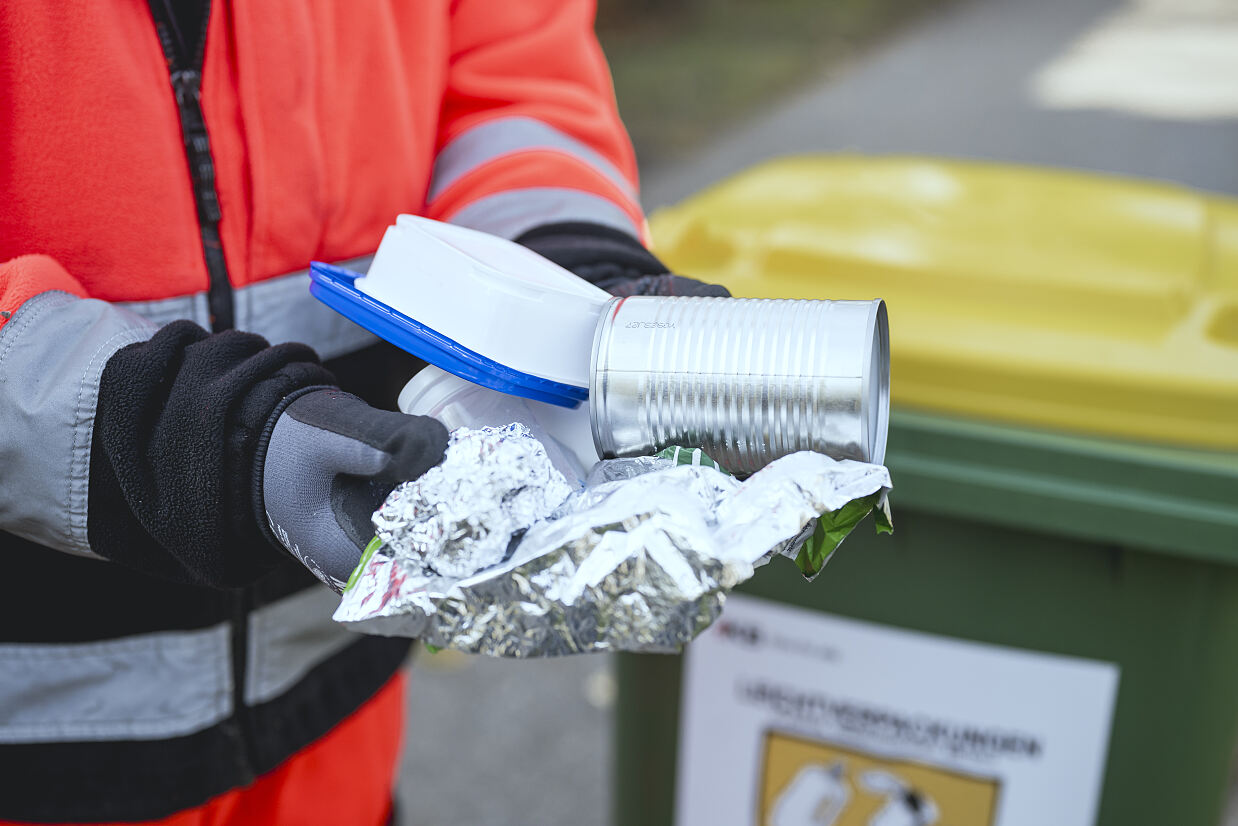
(1170, 59)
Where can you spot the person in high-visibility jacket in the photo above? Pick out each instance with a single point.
(168, 456)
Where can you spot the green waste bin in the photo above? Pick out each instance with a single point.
(1051, 634)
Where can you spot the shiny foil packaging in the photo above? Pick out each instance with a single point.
(460, 516)
(497, 554)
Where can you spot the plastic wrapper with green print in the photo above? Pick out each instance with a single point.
(494, 552)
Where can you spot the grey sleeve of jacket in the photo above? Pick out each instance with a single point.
(52, 354)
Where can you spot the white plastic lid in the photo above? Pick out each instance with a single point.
(489, 295)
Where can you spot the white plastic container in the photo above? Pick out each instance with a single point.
(489, 295)
(565, 432)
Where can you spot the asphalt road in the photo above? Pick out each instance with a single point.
(964, 84)
(1068, 83)
(501, 743)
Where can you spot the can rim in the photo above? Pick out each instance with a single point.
(875, 383)
(598, 379)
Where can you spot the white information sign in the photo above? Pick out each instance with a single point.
(798, 718)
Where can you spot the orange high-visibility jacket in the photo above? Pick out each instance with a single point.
(325, 120)
(135, 192)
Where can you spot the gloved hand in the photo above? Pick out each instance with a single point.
(330, 462)
(613, 260)
(668, 285)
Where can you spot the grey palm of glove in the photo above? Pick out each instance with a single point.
(330, 462)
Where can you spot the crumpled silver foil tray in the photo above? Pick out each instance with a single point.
(493, 552)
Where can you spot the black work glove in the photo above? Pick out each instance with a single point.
(613, 260)
(330, 462)
(668, 285)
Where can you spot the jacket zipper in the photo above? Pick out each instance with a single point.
(185, 72)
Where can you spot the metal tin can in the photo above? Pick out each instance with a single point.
(748, 380)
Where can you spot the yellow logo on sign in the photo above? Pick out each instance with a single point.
(814, 783)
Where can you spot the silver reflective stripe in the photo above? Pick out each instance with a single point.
(52, 354)
(279, 309)
(147, 687)
(508, 214)
(163, 311)
(503, 136)
(288, 638)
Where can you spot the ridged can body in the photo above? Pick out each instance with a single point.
(749, 380)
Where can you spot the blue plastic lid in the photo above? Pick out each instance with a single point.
(334, 287)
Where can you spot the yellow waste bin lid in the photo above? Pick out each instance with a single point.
(1050, 298)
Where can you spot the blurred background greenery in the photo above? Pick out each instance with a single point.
(684, 69)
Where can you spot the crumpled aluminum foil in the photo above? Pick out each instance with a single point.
(460, 516)
(641, 559)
